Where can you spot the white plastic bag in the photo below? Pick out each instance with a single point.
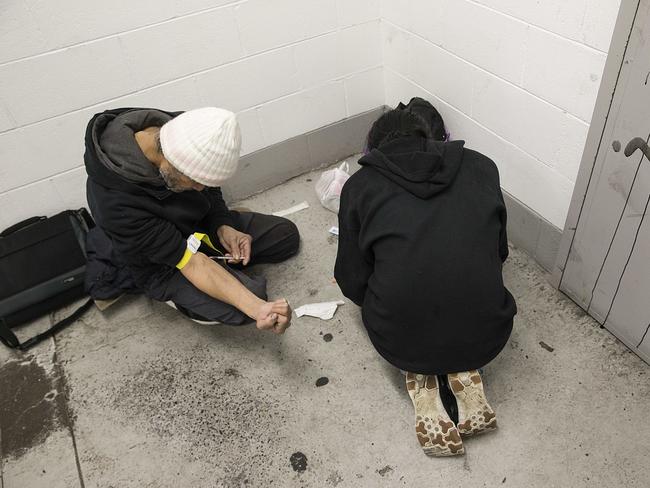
(329, 186)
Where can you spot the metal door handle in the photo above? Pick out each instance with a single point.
(637, 143)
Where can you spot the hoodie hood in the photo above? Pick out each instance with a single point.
(423, 167)
(113, 157)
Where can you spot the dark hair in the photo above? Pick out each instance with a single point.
(418, 118)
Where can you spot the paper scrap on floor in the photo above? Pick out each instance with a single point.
(323, 310)
(290, 210)
(334, 231)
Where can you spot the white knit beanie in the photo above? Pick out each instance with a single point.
(203, 144)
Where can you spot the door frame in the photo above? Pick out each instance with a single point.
(613, 66)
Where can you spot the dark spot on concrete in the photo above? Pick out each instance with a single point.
(312, 292)
(331, 239)
(322, 381)
(233, 373)
(33, 404)
(503, 481)
(208, 418)
(385, 470)
(298, 462)
(546, 346)
(328, 337)
(309, 180)
(616, 145)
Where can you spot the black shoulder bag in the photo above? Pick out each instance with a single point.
(42, 268)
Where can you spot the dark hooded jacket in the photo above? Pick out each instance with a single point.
(422, 240)
(148, 224)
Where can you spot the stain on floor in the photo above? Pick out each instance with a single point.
(298, 462)
(384, 471)
(33, 404)
(213, 414)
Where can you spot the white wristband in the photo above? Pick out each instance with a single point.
(193, 244)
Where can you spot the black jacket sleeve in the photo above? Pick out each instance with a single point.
(219, 214)
(492, 176)
(353, 267)
(145, 238)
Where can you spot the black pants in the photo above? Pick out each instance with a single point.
(274, 240)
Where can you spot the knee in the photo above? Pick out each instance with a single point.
(290, 237)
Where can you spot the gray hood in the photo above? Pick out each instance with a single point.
(116, 148)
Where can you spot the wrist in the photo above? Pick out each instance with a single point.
(221, 229)
(252, 307)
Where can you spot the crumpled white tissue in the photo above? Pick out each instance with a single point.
(324, 310)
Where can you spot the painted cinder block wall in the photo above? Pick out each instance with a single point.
(286, 66)
(516, 79)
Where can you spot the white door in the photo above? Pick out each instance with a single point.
(607, 267)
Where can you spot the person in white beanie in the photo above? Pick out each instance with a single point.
(163, 227)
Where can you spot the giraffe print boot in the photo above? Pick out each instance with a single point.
(435, 431)
(475, 415)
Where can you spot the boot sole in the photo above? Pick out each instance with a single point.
(475, 415)
(435, 431)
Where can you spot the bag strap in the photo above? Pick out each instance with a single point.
(8, 338)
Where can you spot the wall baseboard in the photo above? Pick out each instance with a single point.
(276, 164)
(532, 233)
(280, 162)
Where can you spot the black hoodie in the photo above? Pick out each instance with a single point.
(422, 241)
(147, 223)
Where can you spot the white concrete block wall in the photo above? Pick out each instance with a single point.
(517, 79)
(286, 67)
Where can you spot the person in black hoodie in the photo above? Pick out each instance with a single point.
(153, 189)
(422, 240)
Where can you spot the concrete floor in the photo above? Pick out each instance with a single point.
(138, 396)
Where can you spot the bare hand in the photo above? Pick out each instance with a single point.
(236, 243)
(274, 316)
